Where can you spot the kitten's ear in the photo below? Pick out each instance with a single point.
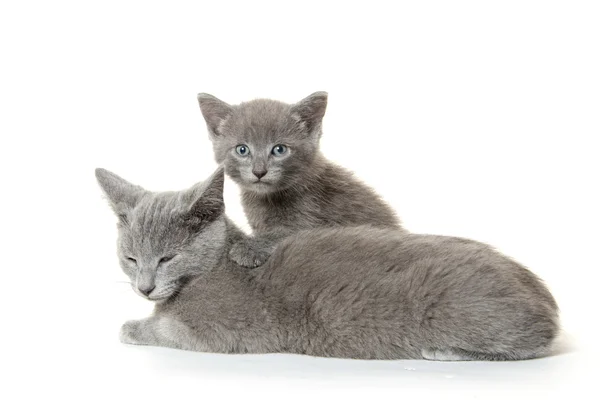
(122, 195)
(310, 110)
(215, 112)
(205, 200)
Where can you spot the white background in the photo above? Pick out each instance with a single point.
(472, 118)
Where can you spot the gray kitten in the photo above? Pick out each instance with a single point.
(351, 292)
(271, 149)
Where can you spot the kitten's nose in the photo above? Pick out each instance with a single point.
(259, 173)
(146, 290)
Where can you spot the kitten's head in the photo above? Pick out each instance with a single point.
(166, 238)
(266, 145)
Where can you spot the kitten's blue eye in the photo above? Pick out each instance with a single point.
(242, 150)
(279, 150)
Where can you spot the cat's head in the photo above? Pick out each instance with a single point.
(265, 145)
(166, 238)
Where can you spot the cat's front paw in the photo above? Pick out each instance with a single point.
(249, 254)
(131, 332)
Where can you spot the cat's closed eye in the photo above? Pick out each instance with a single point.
(165, 259)
(133, 260)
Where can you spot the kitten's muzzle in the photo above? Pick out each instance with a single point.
(259, 173)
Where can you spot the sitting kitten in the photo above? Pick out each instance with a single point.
(352, 292)
(271, 149)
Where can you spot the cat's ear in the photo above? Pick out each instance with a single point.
(205, 200)
(123, 196)
(214, 111)
(310, 110)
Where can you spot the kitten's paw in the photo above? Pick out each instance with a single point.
(442, 355)
(248, 254)
(130, 332)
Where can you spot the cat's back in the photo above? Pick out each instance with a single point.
(373, 252)
(368, 255)
(340, 284)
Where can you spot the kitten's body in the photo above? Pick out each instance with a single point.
(329, 196)
(358, 292)
(298, 190)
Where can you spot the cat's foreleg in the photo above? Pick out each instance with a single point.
(158, 331)
(255, 250)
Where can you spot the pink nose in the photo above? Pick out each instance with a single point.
(259, 173)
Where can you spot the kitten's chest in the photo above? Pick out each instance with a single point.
(291, 213)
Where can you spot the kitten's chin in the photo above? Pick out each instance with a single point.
(259, 187)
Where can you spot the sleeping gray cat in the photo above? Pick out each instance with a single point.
(350, 292)
(271, 149)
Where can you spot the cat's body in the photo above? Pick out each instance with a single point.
(369, 294)
(359, 292)
(287, 184)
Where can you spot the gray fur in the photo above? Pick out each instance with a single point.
(300, 190)
(351, 292)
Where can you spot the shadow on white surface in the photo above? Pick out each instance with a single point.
(299, 367)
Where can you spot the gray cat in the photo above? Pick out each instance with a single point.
(271, 149)
(350, 292)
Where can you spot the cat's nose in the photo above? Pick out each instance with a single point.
(146, 290)
(259, 173)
